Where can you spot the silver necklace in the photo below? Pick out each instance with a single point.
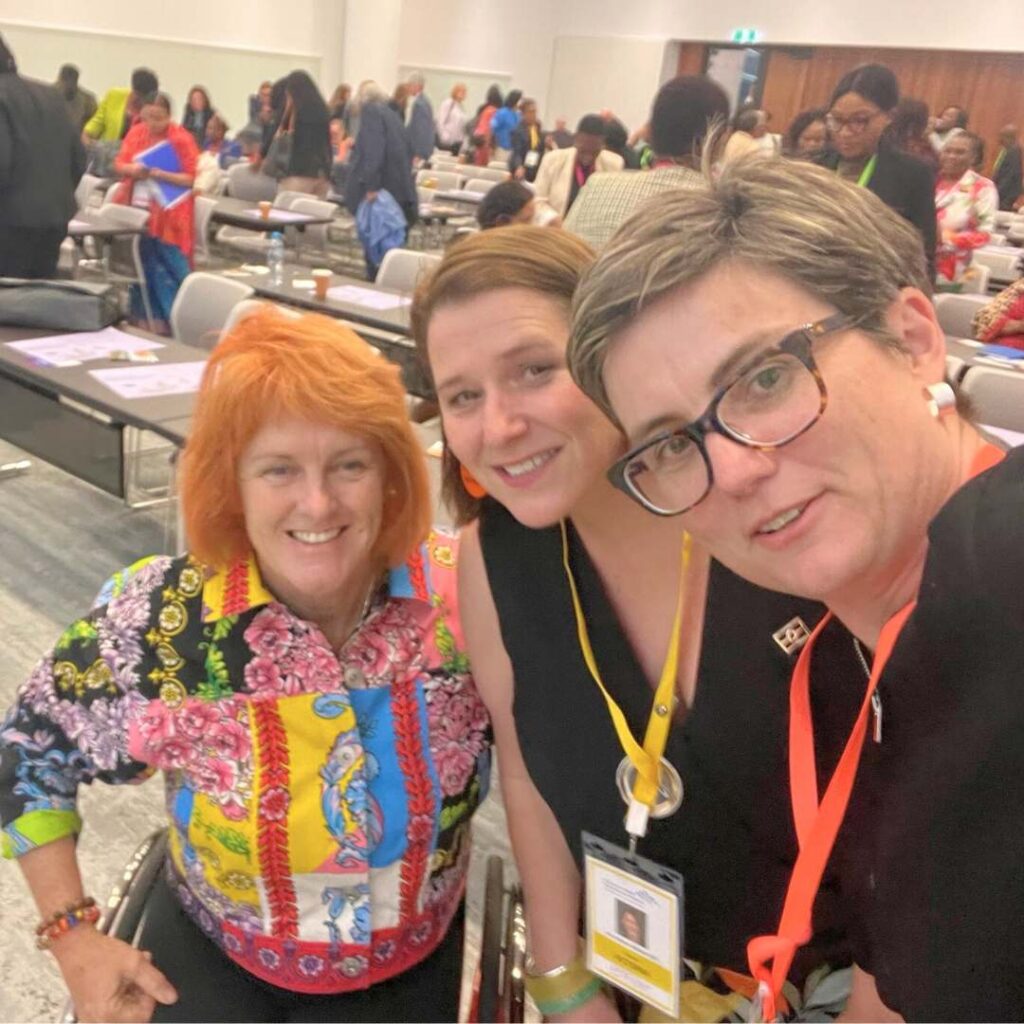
(876, 697)
(367, 602)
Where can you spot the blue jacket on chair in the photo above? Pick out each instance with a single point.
(381, 226)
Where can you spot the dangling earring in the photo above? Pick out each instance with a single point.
(941, 399)
(472, 485)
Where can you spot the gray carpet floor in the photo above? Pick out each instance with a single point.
(59, 540)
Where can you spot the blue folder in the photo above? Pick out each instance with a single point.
(1002, 352)
(164, 157)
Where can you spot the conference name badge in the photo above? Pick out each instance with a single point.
(634, 923)
(531, 159)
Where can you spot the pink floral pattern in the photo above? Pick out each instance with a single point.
(292, 656)
(459, 730)
(209, 741)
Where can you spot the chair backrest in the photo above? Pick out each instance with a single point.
(975, 280)
(426, 195)
(86, 189)
(314, 236)
(401, 269)
(498, 165)
(108, 196)
(128, 216)
(438, 179)
(202, 307)
(1003, 266)
(245, 183)
(997, 394)
(286, 196)
(1003, 218)
(956, 313)
(492, 173)
(249, 306)
(204, 207)
(480, 184)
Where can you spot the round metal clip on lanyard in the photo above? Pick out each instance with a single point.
(650, 786)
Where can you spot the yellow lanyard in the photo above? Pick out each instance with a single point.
(646, 759)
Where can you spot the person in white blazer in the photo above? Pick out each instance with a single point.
(563, 172)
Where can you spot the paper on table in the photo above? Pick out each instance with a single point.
(303, 282)
(369, 297)
(73, 349)
(152, 381)
(279, 215)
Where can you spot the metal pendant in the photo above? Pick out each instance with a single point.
(670, 787)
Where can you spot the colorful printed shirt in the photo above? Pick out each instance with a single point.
(965, 212)
(319, 804)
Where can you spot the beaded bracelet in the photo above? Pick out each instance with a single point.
(563, 988)
(83, 911)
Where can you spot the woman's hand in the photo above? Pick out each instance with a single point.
(137, 171)
(108, 980)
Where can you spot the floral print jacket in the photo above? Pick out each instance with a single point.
(319, 804)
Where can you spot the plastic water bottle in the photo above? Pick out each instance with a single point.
(275, 258)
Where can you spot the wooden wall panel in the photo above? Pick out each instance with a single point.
(691, 59)
(989, 85)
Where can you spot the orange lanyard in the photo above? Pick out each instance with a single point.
(817, 824)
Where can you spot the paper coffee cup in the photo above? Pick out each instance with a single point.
(265, 207)
(321, 281)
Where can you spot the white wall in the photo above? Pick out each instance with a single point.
(372, 35)
(589, 73)
(935, 24)
(496, 37)
(228, 47)
(249, 24)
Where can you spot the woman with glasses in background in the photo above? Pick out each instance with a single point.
(859, 113)
(818, 450)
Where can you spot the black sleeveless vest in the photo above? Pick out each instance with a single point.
(733, 838)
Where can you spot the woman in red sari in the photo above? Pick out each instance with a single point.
(167, 250)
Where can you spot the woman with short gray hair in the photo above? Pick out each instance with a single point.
(800, 425)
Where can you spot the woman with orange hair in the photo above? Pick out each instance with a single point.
(298, 677)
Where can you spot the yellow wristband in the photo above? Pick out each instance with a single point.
(562, 988)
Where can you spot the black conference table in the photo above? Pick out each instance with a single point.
(237, 213)
(64, 415)
(386, 329)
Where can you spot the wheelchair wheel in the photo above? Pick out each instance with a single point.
(513, 980)
(489, 990)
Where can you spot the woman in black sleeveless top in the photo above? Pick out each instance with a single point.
(493, 322)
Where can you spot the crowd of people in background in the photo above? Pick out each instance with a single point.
(367, 141)
(569, 304)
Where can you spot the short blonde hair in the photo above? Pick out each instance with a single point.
(311, 368)
(835, 240)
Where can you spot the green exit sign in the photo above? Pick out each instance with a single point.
(745, 35)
